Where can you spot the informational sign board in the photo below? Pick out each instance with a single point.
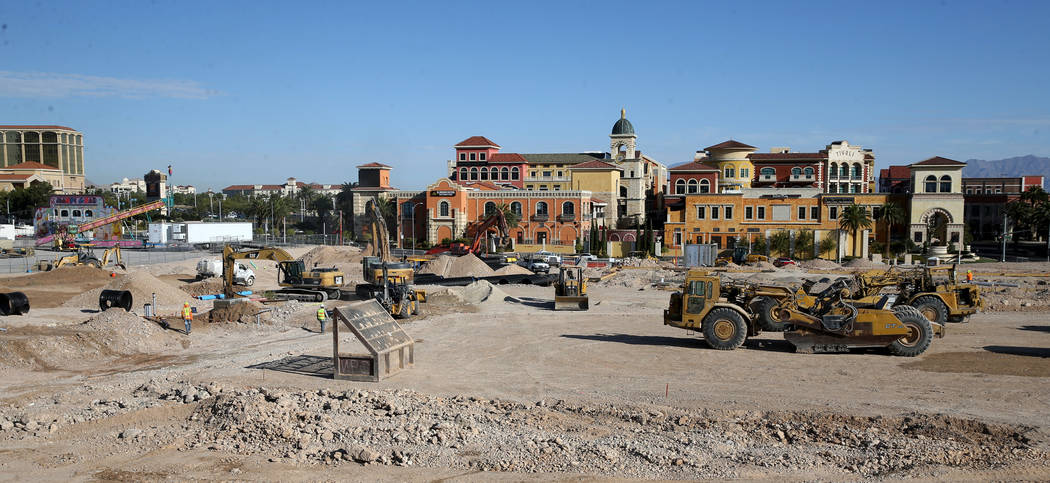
(390, 348)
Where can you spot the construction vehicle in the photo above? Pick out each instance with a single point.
(481, 243)
(831, 324)
(83, 257)
(387, 281)
(570, 291)
(739, 255)
(298, 283)
(940, 299)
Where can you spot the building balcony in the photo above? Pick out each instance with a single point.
(566, 218)
(806, 178)
(549, 179)
(543, 217)
(767, 178)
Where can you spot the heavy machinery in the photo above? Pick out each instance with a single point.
(298, 283)
(831, 324)
(65, 239)
(386, 280)
(83, 256)
(941, 299)
(739, 255)
(480, 242)
(570, 291)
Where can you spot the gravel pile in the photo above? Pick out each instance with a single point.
(326, 256)
(639, 262)
(403, 427)
(512, 269)
(819, 264)
(127, 333)
(863, 263)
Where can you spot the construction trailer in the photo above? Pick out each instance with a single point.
(200, 234)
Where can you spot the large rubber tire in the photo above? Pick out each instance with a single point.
(766, 307)
(249, 281)
(415, 307)
(724, 329)
(404, 310)
(932, 307)
(93, 262)
(921, 332)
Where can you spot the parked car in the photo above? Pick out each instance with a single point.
(783, 261)
(552, 259)
(586, 257)
(535, 265)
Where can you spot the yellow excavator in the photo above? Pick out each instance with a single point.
(386, 280)
(83, 257)
(298, 283)
(570, 291)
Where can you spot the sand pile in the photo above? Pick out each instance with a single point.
(863, 263)
(820, 264)
(480, 292)
(127, 333)
(512, 269)
(243, 312)
(454, 267)
(762, 265)
(326, 256)
(142, 286)
(791, 267)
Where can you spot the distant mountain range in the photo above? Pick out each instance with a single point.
(1019, 166)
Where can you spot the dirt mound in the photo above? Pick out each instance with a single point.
(454, 267)
(820, 264)
(512, 269)
(326, 256)
(762, 265)
(243, 312)
(863, 263)
(639, 262)
(204, 287)
(480, 292)
(142, 286)
(127, 333)
(60, 276)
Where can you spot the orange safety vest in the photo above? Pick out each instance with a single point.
(187, 313)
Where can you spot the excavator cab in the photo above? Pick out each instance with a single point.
(570, 291)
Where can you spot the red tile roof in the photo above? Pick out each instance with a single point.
(476, 141)
(14, 177)
(30, 165)
(507, 158)
(594, 165)
(730, 144)
(599, 201)
(939, 161)
(694, 166)
(373, 165)
(897, 172)
(785, 156)
(35, 126)
(482, 185)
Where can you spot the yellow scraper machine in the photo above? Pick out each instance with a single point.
(570, 291)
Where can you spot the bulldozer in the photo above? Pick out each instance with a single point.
(386, 280)
(831, 324)
(739, 255)
(297, 283)
(83, 257)
(570, 290)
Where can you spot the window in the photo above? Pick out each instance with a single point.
(76, 213)
(532, 174)
(462, 173)
(715, 212)
(844, 170)
(514, 173)
(568, 208)
(814, 212)
(473, 156)
(946, 185)
(677, 237)
(557, 187)
(833, 213)
(701, 212)
(462, 156)
(494, 173)
(998, 190)
(761, 212)
(808, 171)
(559, 174)
(515, 208)
(490, 208)
(833, 171)
(843, 187)
(543, 187)
(852, 188)
(796, 171)
(768, 172)
(730, 173)
(529, 186)
(481, 156)
(918, 237)
(504, 173)
(802, 212)
(541, 208)
(728, 212)
(856, 171)
(88, 213)
(443, 208)
(474, 173)
(749, 212)
(744, 172)
(65, 213)
(931, 184)
(693, 186)
(679, 187)
(484, 174)
(546, 174)
(705, 186)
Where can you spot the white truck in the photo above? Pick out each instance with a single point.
(209, 267)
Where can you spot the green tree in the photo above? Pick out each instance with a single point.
(758, 246)
(891, 214)
(780, 243)
(25, 201)
(1028, 212)
(829, 243)
(853, 219)
(803, 244)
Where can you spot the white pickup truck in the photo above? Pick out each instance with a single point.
(242, 275)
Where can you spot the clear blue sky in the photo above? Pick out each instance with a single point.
(254, 92)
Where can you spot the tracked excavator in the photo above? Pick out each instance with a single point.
(296, 282)
(387, 281)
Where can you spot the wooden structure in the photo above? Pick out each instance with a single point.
(390, 349)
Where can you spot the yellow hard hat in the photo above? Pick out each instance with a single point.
(185, 304)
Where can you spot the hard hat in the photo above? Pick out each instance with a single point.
(185, 304)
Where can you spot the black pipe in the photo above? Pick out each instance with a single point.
(14, 303)
(115, 298)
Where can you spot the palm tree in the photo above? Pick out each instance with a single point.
(853, 219)
(891, 214)
(388, 208)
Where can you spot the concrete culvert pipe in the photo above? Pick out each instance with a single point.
(14, 303)
(115, 298)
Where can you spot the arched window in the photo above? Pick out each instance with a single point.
(796, 171)
(679, 187)
(504, 173)
(705, 186)
(844, 170)
(931, 184)
(89, 213)
(443, 208)
(833, 170)
(856, 170)
(515, 208)
(490, 208)
(514, 173)
(768, 172)
(568, 208)
(65, 214)
(462, 174)
(76, 213)
(474, 173)
(484, 174)
(693, 186)
(541, 208)
(808, 171)
(494, 173)
(946, 184)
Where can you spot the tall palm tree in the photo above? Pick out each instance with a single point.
(891, 214)
(854, 218)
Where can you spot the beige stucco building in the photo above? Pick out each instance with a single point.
(936, 205)
(54, 147)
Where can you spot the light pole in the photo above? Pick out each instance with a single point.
(211, 207)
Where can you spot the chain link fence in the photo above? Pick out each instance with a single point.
(131, 256)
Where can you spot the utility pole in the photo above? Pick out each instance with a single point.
(1003, 259)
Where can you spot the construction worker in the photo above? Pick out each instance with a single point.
(187, 316)
(322, 316)
(969, 275)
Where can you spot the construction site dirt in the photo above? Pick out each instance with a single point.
(505, 388)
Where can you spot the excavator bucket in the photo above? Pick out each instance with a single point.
(571, 302)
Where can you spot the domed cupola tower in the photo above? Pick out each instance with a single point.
(622, 141)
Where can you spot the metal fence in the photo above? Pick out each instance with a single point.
(297, 240)
(130, 256)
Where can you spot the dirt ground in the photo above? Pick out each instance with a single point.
(506, 389)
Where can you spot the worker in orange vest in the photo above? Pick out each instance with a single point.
(969, 275)
(187, 316)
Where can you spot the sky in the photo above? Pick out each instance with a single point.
(255, 92)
